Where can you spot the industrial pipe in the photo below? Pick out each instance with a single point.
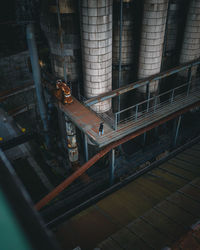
(120, 52)
(43, 202)
(30, 35)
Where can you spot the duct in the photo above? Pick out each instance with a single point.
(191, 42)
(37, 78)
(127, 48)
(71, 141)
(65, 54)
(96, 26)
(152, 38)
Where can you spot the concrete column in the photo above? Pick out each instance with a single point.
(191, 42)
(153, 30)
(96, 26)
(71, 39)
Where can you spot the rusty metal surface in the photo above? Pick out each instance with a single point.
(88, 121)
(152, 212)
(84, 118)
(103, 152)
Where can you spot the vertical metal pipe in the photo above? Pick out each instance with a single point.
(189, 80)
(155, 104)
(120, 51)
(172, 98)
(112, 167)
(148, 96)
(86, 147)
(177, 130)
(136, 112)
(165, 36)
(145, 136)
(61, 40)
(30, 34)
(116, 121)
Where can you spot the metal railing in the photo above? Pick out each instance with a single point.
(151, 105)
(140, 83)
(107, 118)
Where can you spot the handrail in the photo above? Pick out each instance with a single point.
(55, 192)
(140, 83)
(147, 101)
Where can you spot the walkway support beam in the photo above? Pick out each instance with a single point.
(112, 167)
(86, 147)
(177, 130)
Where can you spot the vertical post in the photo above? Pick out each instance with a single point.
(155, 104)
(136, 112)
(120, 52)
(145, 135)
(172, 98)
(148, 95)
(177, 130)
(116, 118)
(79, 92)
(86, 147)
(189, 80)
(112, 167)
(61, 40)
(165, 36)
(30, 34)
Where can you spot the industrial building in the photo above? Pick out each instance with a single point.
(100, 124)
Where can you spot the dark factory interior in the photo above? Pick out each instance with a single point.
(100, 124)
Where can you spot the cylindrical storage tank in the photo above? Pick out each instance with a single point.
(127, 47)
(152, 38)
(96, 32)
(70, 50)
(191, 42)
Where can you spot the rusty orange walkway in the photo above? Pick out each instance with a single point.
(88, 121)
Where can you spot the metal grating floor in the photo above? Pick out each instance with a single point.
(88, 121)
